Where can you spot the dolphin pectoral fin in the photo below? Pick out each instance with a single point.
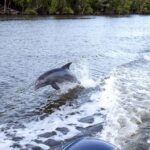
(55, 86)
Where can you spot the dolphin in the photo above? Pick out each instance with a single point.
(54, 76)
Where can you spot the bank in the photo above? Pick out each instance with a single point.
(74, 7)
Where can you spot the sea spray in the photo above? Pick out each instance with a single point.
(82, 72)
(125, 99)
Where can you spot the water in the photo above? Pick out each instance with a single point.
(111, 57)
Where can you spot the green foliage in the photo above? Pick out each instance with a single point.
(146, 7)
(82, 6)
(30, 11)
(58, 6)
(53, 6)
(23, 4)
(68, 10)
(88, 10)
(127, 7)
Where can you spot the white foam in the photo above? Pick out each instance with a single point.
(147, 56)
(83, 74)
(49, 124)
(5, 143)
(124, 110)
(117, 122)
(60, 118)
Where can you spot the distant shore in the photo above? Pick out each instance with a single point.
(67, 8)
(17, 13)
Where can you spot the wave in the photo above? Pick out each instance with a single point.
(79, 114)
(126, 100)
(119, 102)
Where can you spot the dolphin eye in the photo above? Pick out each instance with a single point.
(39, 82)
(42, 81)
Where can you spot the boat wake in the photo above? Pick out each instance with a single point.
(114, 108)
(69, 115)
(126, 100)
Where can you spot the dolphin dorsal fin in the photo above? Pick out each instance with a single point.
(66, 66)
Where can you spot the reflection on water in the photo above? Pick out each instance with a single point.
(30, 17)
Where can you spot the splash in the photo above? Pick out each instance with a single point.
(118, 122)
(82, 71)
(147, 56)
(126, 102)
(68, 116)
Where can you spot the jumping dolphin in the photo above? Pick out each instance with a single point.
(58, 75)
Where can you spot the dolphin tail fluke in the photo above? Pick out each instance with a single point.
(67, 66)
(55, 86)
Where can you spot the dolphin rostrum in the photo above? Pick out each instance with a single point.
(54, 76)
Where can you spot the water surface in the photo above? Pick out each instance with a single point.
(111, 57)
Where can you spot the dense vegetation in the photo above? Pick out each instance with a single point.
(79, 6)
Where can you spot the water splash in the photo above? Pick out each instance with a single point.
(67, 116)
(126, 102)
(82, 71)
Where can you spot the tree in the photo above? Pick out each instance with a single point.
(22, 4)
(5, 6)
(78, 6)
(59, 7)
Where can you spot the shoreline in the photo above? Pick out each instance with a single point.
(68, 15)
(12, 12)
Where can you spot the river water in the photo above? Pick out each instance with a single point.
(111, 58)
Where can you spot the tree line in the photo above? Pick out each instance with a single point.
(78, 7)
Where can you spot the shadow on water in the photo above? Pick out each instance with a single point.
(24, 17)
(30, 17)
(68, 97)
(73, 17)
